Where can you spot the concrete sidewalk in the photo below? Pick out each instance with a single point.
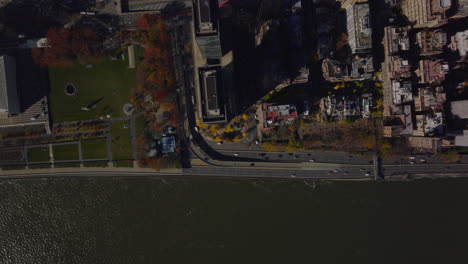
(87, 170)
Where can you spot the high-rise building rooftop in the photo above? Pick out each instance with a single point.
(359, 27)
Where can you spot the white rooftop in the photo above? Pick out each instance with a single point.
(460, 109)
(462, 42)
(402, 92)
(462, 140)
(445, 3)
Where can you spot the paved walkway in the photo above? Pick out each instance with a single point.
(133, 134)
(109, 144)
(51, 154)
(80, 153)
(86, 171)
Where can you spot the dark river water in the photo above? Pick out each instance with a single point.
(194, 220)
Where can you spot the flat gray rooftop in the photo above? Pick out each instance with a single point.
(211, 91)
(204, 7)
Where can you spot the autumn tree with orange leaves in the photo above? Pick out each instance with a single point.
(154, 91)
(155, 75)
(66, 46)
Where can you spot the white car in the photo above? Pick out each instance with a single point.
(367, 174)
(312, 160)
(411, 162)
(256, 142)
(236, 154)
(412, 157)
(87, 13)
(422, 160)
(196, 128)
(293, 175)
(219, 143)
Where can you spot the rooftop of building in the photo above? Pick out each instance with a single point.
(359, 27)
(398, 40)
(462, 10)
(31, 88)
(334, 70)
(402, 92)
(430, 143)
(432, 71)
(341, 107)
(206, 17)
(143, 5)
(213, 107)
(461, 42)
(36, 113)
(462, 140)
(362, 67)
(276, 113)
(426, 13)
(399, 68)
(168, 144)
(459, 109)
(210, 46)
(432, 124)
(431, 41)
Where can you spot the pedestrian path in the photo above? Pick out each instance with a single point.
(87, 171)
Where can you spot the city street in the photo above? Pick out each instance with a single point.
(223, 159)
(323, 157)
(246, 172)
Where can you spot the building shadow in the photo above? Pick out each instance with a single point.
(231, 97)
(32, 80)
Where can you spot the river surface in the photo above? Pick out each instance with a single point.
(195, 220)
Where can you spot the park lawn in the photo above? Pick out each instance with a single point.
(38, 154)
(140, 125)
(65, 152)
(94, 148)
(121, 141)
(108, 81)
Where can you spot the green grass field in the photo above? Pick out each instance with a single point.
(94, 148)
(121, 141)
(38, 154)
(108, 81)
(140, 124)
(65, 152)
